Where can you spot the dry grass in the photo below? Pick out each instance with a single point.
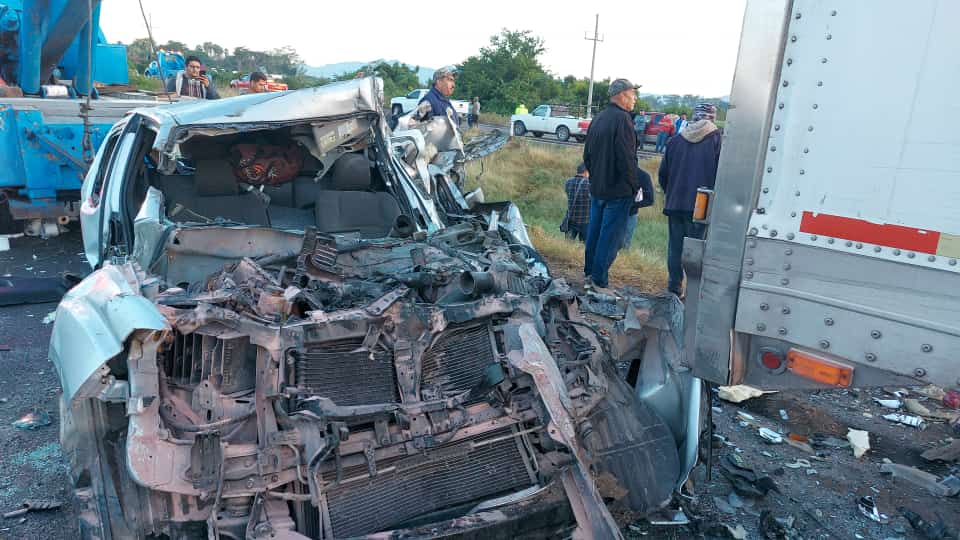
(532, 175)
(494, 118)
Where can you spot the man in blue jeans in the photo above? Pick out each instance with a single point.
(690, 162)
(610, 154)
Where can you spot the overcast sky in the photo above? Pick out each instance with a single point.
(677, 46)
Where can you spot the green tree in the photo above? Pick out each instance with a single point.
(506, 73)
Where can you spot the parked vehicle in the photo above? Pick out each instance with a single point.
(404, 104)
(553, 119)
(297, 327)
(654, 126)
(166, 65)
(243, 83)
(832, 242)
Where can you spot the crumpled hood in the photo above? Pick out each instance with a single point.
(696, 131)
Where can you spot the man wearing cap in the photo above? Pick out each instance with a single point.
(437, 101)
(610, 154)
(689, 162)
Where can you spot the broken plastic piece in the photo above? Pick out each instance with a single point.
(907, 420)
(915, 407)
(783, 415)
(950, 452)
(739, 393)
(860, 441)
(770, 435)
(889, 403)
(798, 464)
(868, 507)
(33, 420)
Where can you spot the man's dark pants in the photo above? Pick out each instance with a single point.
(681, 226)
(577, 231)
(662, 142)
(608, 223)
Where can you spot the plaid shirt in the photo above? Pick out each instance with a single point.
(578, 200)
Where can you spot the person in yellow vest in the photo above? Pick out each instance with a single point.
(521, 109)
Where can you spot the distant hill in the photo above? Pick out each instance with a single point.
(331, 70)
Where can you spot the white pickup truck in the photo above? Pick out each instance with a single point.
(404, 104)
(554, 119)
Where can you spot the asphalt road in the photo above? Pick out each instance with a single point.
(31, 464)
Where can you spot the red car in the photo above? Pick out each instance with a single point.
(656, 124)
(243, 83)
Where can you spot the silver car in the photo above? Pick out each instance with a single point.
(299, 326)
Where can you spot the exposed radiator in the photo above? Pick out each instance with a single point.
(341, 371)
(456, 361)
(228, 363)
(444, 477)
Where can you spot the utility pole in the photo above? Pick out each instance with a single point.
(153, 44)
(593, 60)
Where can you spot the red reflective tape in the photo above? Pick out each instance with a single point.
(858, 230)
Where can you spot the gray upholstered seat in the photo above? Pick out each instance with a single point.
(348, 205)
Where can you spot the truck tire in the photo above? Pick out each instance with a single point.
(397, 110)
(519, 129)
(563, 133)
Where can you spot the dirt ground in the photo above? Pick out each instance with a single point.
(822, 499)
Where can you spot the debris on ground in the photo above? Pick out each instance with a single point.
(33, 420)
(868, 507)
(950, 452)
(743, 478)
(889, 403)
(931, 482)
(951, 399)
(915, 407)
(783, 415)
(799, 442)
(740, 393)
(930, 530)
(907, 420)
(859, 441)
(798, 464)
(32, 506)
(770, 435)
(50, 317)
(722, 530)
(774, 528)
(931, 391)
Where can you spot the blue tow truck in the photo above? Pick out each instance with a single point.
(53, 55)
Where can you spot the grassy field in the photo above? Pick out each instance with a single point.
(532, 176)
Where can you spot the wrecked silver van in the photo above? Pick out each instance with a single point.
(299, 326)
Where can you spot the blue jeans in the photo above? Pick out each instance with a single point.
(680, 227)
(608, 223)
(662, 142)
(628, 234)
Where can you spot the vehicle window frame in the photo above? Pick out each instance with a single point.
(104, 167)
(414, 95)
(543, 111)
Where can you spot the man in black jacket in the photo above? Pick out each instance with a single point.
(690, 162)
(610, 154)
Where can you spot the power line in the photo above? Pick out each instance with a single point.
(593, 59)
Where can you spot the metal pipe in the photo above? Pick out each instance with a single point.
(65, 25)
(31, 42)
(472, 283)
(83, 78)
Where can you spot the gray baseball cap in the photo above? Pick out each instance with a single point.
(443, 72)
(620, 85)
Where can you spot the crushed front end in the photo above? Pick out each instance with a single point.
(361, 386)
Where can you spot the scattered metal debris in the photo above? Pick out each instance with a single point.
(33, 420)
(907, 420)
(868, 507)
(889, 403)
(798, 464)
(770, 435)
(33, 506)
